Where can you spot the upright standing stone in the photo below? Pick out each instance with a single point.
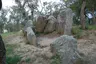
(31, 36)
(60, 23)
(40, 24)
(51, 25)
(27, 24)
(68, 21)
(66, 47)
(65, 20)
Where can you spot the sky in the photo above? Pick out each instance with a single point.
(8, 3)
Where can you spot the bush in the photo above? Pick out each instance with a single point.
(76, 31)
(56, 60)
(13, 59)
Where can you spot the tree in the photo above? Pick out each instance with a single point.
(22, 12)
(81, 5)
(91, 5)
(82, 15)
(3, 19)
(68, 2)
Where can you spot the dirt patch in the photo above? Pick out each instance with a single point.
(31, 54)
(87, 46)
(42, 54)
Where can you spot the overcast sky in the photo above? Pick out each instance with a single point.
(8, 3)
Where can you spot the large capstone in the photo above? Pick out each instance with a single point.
(66, 47)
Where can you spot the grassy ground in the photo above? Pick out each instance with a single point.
(4, 35)
(79, 33)
(11, 58)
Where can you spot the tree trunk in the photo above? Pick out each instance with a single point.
(32, 12)
(17, 26)
(82, 15)
(1, 29)
(94, 20)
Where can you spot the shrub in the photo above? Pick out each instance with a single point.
(56, 60)
(77, 32)
(13, 59)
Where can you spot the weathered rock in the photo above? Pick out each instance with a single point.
(65, 20)
(51, 25)
(66, 47)
(28, 24)
(60, 24)
(31, 36)
(68, 21)
(40, 24)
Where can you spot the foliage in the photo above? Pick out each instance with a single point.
(3, 19)
(48, 8)
(77, 31)
(76, 20)
(56, 59)
(13, 60)
(89, 7)
(21, 13)
(68, 2)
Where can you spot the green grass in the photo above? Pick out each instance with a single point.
(92, 27)
(77, 31)
(7, 34)
(56, 60)
(11, 58)
(10, 48)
